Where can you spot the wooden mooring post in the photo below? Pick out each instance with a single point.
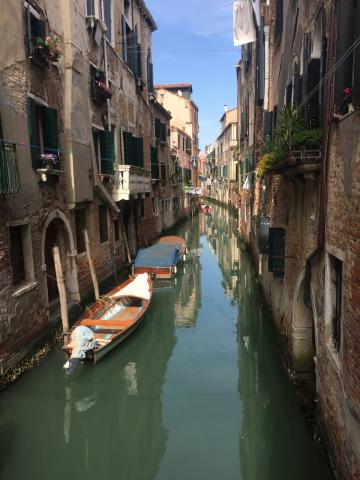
(62, 290)
(91, 265)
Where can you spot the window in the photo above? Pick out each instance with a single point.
(35, 31)
(116, 230)
(43, 133)
(179, 139)
(347, 76)
(17, 254)
(133, 150)
(90, 8)
(276, 261)
(104, 146)
(103, 224)
(150, 73)
(107, 17)
(131, 48)
(154, 163)
(80, 225)
(163, 172)
(21, 257)
(127, 8)
(336, 274)
(263, 234)
(99, 87)
(183, 144)
(278, 21)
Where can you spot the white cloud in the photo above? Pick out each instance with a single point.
(202, 18)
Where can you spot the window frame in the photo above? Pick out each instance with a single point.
(28, 259)
(110, 40)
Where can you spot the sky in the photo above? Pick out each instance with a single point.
(194, 44)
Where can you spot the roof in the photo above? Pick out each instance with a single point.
(146, 13)
(227, 111)
(175, 86)
(158, 255)
(161, 109)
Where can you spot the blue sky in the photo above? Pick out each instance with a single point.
(194, 44)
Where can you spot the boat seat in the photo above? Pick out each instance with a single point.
(122, 324)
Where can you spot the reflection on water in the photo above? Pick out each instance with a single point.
(206, 402)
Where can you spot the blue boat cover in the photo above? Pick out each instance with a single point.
(158, 255)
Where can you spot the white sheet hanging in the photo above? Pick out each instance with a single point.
(243, 25)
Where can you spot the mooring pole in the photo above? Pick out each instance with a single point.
(62, 291)
(91, 265)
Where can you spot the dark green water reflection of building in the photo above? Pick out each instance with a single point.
(198, 392)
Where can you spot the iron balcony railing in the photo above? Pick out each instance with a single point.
(9, 169)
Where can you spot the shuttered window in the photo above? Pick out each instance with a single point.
(276, 261)
(133, 150)
(278, 21)
(35, 30)
(154, 163)
(17, 253)
(268, 125)
(90, 8)
(188, 145)
(263, 235)
(347, 27)
(43, 133)
(107, 151)
(107, 14)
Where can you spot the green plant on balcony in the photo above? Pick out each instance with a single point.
(293, 132)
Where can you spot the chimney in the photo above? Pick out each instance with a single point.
(225, 108)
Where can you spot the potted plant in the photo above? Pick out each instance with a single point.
(52, 48)
(50, 161)
(347, 101)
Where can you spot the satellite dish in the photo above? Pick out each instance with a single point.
(180, 93)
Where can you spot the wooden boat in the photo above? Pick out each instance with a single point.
(161, 259)
(109, 321)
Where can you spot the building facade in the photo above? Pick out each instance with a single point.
(298, 119)
(79, 130)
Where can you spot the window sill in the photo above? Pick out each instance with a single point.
(24, 288)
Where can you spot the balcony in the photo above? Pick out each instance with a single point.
(130, 181)
(299, 162)
(9, 171)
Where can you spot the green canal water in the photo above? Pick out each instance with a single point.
(197, 392)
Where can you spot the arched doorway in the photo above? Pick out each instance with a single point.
(303, 337)
(57, 231)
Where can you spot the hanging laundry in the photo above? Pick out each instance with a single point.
(246, 185)
(243, 25)
(256, 7)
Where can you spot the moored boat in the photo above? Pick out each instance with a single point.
(161, 259)
(109, 321)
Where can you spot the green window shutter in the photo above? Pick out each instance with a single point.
(33, 133)
(157, 129)
(268, 120)
(107, 151)
(124, 39)
(154, 162)
(140, 152)
(263, 235)
(151, 78)
(276, 263)
(49, 123)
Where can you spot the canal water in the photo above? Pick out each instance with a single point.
(197, 392)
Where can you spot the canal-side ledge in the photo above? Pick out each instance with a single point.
(41, 341)
(303, 382)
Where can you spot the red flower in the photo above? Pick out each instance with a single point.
(347, 91)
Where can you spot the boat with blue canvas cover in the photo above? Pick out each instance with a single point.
(161, 259)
